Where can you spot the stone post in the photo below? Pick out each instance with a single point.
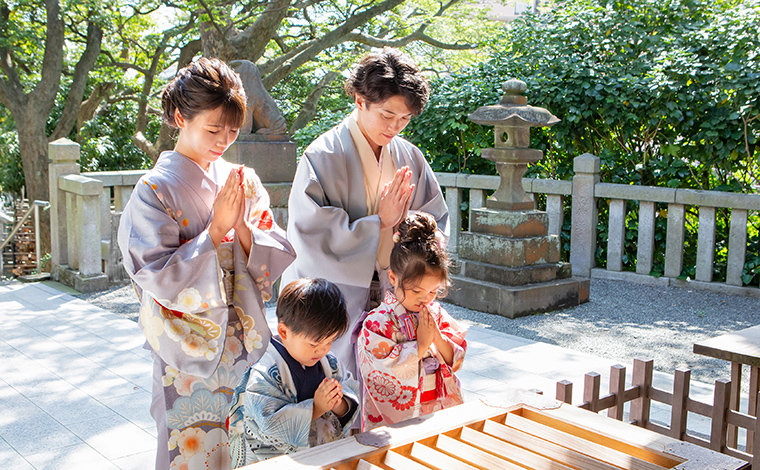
(63, 155)
(585, 216)
(85, 272)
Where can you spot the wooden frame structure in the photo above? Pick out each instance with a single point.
(642, 393)
(546, 435)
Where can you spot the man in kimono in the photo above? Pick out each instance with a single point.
(356, 182)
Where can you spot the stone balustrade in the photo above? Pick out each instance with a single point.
(85, 245)
(586, 189)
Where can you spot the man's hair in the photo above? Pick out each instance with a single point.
(314, 307)
(381, 75)
(205, 85)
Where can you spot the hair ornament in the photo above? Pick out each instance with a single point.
(440, 239)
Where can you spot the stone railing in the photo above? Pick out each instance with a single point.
(584, 191)
(86, 210)
(85, 253)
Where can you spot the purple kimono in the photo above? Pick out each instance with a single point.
(202, 309)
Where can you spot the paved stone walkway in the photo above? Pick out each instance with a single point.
(75, 381)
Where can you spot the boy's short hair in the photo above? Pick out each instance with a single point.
(381, 75)
(315, 307)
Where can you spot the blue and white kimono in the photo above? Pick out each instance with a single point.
(267, 419)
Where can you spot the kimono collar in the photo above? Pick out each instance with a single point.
(190, 172)
(405, 320)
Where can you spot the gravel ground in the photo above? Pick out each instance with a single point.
(622, 321)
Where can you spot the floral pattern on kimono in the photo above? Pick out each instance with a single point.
(202, 308)
(392, 371)
(266, 418)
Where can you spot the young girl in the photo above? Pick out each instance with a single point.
(200, 246)
(409, 347)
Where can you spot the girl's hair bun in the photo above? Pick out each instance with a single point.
(418, 227)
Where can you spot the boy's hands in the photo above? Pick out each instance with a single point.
(228, 207)
(329, 396)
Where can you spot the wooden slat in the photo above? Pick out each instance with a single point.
(397, 461)
(544, 447)
(660, 396)
(364, 465)
(591, 384)
(476, 456)
(678, 412)
(733, 402)
(512, 452)
(754, 376)
(438, 459)
(639, 451)
(580, 444)
(642, 379)
(719, 425)
(702, 409)
(565, 391)
(617, 390)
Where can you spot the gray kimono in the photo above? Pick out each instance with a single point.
(202, 309)
(328, 224)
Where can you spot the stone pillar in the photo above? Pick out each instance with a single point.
(273, 157)
(674, 241)
(645, 249)
(585, 216)
(706, 244)
(86, 272)
(63, 155)
(737, 247)
(453, 202)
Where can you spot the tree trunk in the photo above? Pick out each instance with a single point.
(33, 146)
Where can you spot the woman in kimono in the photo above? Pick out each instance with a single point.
(355, 183)
(409, 347)
(200, 246)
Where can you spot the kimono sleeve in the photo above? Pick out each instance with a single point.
(350, 388)
(183, 314)
(323, 234)
(280, 421)
(383, 360)
(156, 260)
(454, 334)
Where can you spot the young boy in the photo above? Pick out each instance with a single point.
(298, 395)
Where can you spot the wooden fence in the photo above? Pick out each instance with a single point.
(642, 393)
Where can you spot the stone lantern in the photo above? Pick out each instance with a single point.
(512, 118)
(508, 262)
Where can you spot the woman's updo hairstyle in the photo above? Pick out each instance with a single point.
(205, 85)
(382, 75)
(419, 250)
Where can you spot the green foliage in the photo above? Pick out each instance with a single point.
(324, 122)
(659, 90)
(107, 140)
(11, 170)
(665, 93)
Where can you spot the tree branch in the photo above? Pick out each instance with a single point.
(330, 39)
(81, 71)
(252, 41)
(89, 106)
(400, 42)
(44, 93)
